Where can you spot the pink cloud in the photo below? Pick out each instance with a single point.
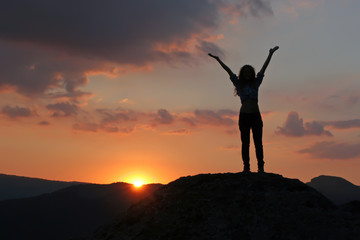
(294, 127)
(332, 150)
(125, 120)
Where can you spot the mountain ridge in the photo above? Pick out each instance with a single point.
(15, 187)
(69, 212)
(337, 189)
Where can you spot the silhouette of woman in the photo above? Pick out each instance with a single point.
(247, 88)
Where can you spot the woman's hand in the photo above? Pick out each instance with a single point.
(216, 57)
(272, 50)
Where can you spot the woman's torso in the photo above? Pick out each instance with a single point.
(250, 106)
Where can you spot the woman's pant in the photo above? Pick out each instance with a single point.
(254, 122)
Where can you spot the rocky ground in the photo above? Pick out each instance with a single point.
(234, 206)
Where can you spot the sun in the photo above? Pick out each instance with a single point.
(137, 178)
(138, 183)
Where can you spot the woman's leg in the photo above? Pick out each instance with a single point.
(244, 126)
(257, 129)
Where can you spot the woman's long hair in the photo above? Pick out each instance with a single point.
(243, 81)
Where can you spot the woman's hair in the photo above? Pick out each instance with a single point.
(243, 81)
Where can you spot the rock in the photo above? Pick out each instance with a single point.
(233, 206)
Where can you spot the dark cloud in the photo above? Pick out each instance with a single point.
(17, 112)
(219, 118)
(51, 46)
(63, 109)
(294, 127)
(32, 71)
(44, 123)
(333, 150)
(346, 124)
(124, 31)
(118, 116)
(244, 8)
(163, 117)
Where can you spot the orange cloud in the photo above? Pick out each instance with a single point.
(182, 131)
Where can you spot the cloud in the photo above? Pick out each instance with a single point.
(86, 127)
(245, 8)
(44, 123)
(126, 121)
(34, 72)
(294, 127)
(117, 116)
(95, 127)
(210, 117)
(17, 112)
(332, 150)
(346, 124)
(163, 117)
(292, 7)
(51, 47)
(63, 109)
(182, 131)
(122, 31)
(125, 100)
(110, 121)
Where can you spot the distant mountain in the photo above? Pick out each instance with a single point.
(67, 213)
(233, 206)
(12, 187)
(337, 189)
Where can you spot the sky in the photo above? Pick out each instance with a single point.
(119, 90)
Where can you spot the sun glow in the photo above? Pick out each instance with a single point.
(137, 178)
(138, 183)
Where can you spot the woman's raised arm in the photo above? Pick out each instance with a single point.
(227, 69)
(271, 52)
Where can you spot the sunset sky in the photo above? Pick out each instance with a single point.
(107, 91)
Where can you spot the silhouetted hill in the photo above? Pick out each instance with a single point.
(233, 206)
(12, 187)
(353, 207)
(71, 212)
(337, 189)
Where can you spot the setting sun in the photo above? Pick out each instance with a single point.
(137, 178)
(138, 183)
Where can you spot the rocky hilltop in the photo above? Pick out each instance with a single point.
(233, 206)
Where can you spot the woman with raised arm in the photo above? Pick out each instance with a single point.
(247, 88)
